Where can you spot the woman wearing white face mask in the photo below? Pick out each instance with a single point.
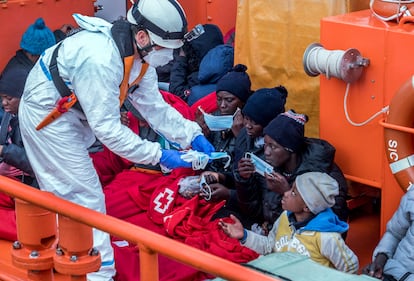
(90, 64)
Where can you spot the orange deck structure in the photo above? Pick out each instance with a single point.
(361, 151)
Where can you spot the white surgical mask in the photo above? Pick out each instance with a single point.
(200, 160)
(218, 122)
(157, 58)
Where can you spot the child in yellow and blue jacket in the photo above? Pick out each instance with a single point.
(308, 226)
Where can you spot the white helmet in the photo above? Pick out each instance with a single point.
(164, 20)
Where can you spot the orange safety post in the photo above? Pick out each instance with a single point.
(169, 248)
(36, 232)
(149, 264)
(75, 255)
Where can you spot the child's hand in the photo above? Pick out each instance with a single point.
(233, 230)
(277, 182)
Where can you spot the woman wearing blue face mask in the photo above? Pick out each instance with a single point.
(223, 125)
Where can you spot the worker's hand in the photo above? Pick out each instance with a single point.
(376, 268)
(171, 159)
(201, 144)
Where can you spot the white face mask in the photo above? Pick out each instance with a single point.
(157, 58)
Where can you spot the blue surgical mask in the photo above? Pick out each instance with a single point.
(217, 122)
(260, 165)
(220, 155)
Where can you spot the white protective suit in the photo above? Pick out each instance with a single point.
(90, 63)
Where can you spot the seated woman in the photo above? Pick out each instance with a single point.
(13, 158)
(264, 105)
(232, 92)
(260, 108)
(290, 154)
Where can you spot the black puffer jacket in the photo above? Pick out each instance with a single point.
(258, 204)
(319, 157)
(21, 61)
(184, 69)
(14, 153)
(255, 202)
(12, 83)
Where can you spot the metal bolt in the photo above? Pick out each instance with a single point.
(94, 252)
(17, 245)
(59, 252)
(73, 258)
(34, 254)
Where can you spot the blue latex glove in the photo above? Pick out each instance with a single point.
(171, 159)
(200, 143)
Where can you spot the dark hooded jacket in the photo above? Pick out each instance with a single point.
(184, 70)
(12, 82)
(260, 205)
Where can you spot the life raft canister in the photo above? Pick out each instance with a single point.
(392, 10)
(399, 145)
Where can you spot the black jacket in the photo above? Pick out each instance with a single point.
(14, 153)
(258, 204)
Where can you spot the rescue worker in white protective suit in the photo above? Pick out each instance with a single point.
(91, 65)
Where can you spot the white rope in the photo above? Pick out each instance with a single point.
(326, 62)
(383, 110)
(399, 1)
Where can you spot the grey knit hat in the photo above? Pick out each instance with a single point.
(318, 190)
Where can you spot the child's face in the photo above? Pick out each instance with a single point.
(274, 153)
(292, 201)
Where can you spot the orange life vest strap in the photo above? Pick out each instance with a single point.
(125, 86)
(67, 102)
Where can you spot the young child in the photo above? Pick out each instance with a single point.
(307, 226)
(393, 258)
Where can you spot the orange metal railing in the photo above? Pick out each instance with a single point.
(150, 244)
